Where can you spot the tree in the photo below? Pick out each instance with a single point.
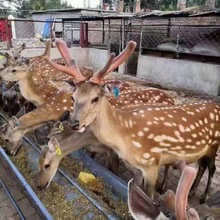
(23, 7)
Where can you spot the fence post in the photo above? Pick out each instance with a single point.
(141, 36)
(103, 32)
(109, 36)
(7, 33)
(82, 37)
(122, 68)
(168, 27)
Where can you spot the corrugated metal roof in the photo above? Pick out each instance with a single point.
(72, 10)
(98, 17)
(187, 12)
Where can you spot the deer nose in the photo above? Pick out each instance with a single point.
(74, 125)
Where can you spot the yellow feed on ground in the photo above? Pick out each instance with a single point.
(86, 177)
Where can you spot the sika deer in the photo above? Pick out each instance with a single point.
(146, 137)
(54, 152)
(58, 103)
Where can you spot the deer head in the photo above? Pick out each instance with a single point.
(18, 72)
(16, 51)
(16, 58)
(11, 133)
(69, 141)
(48, 163)
(96, 92)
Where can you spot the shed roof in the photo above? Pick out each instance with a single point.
(71, 10)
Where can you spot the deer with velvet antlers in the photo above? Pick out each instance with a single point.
(59, 102)
(146, 137)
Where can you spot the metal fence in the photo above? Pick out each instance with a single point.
(179, 35)
(190, 38)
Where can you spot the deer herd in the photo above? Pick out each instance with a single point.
(74, 107)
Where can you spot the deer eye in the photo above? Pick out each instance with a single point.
(95, 99)
(46, 166)
(13, 71)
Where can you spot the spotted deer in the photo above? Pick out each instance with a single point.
(16, 54)
(58, 103)
(55, 151)
(147, 137)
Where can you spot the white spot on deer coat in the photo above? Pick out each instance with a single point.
(136, 144)
(212, 116)
(150, 136)
(146, 155)
(182, 129)
(140, 133)
(167, 124)
(149, 123)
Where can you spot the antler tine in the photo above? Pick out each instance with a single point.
(123, 56)
(97, 78)
(184, 185)
(167, 201)
(64, 51)
(68, 70)
(193, 214)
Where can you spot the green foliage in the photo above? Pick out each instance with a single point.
(166, 5)
(23, 7)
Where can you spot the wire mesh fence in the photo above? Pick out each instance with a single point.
(179, 35)
(182, 38)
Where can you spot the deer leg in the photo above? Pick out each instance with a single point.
(161, 187)
(212, 168)
(114, 163)
(93, 155)
(150, 179)
(202, 167)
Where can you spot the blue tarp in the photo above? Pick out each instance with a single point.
(46, 30)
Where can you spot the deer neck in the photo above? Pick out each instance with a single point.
(29, 90)
(107, 124)
(76, 141)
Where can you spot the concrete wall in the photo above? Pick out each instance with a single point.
(181, 74)
(92, 57)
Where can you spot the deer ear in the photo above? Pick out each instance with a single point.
(8, 56)
(112, 88)
(14, 123)
(140, 205)
(54, 146)
(66, 86)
